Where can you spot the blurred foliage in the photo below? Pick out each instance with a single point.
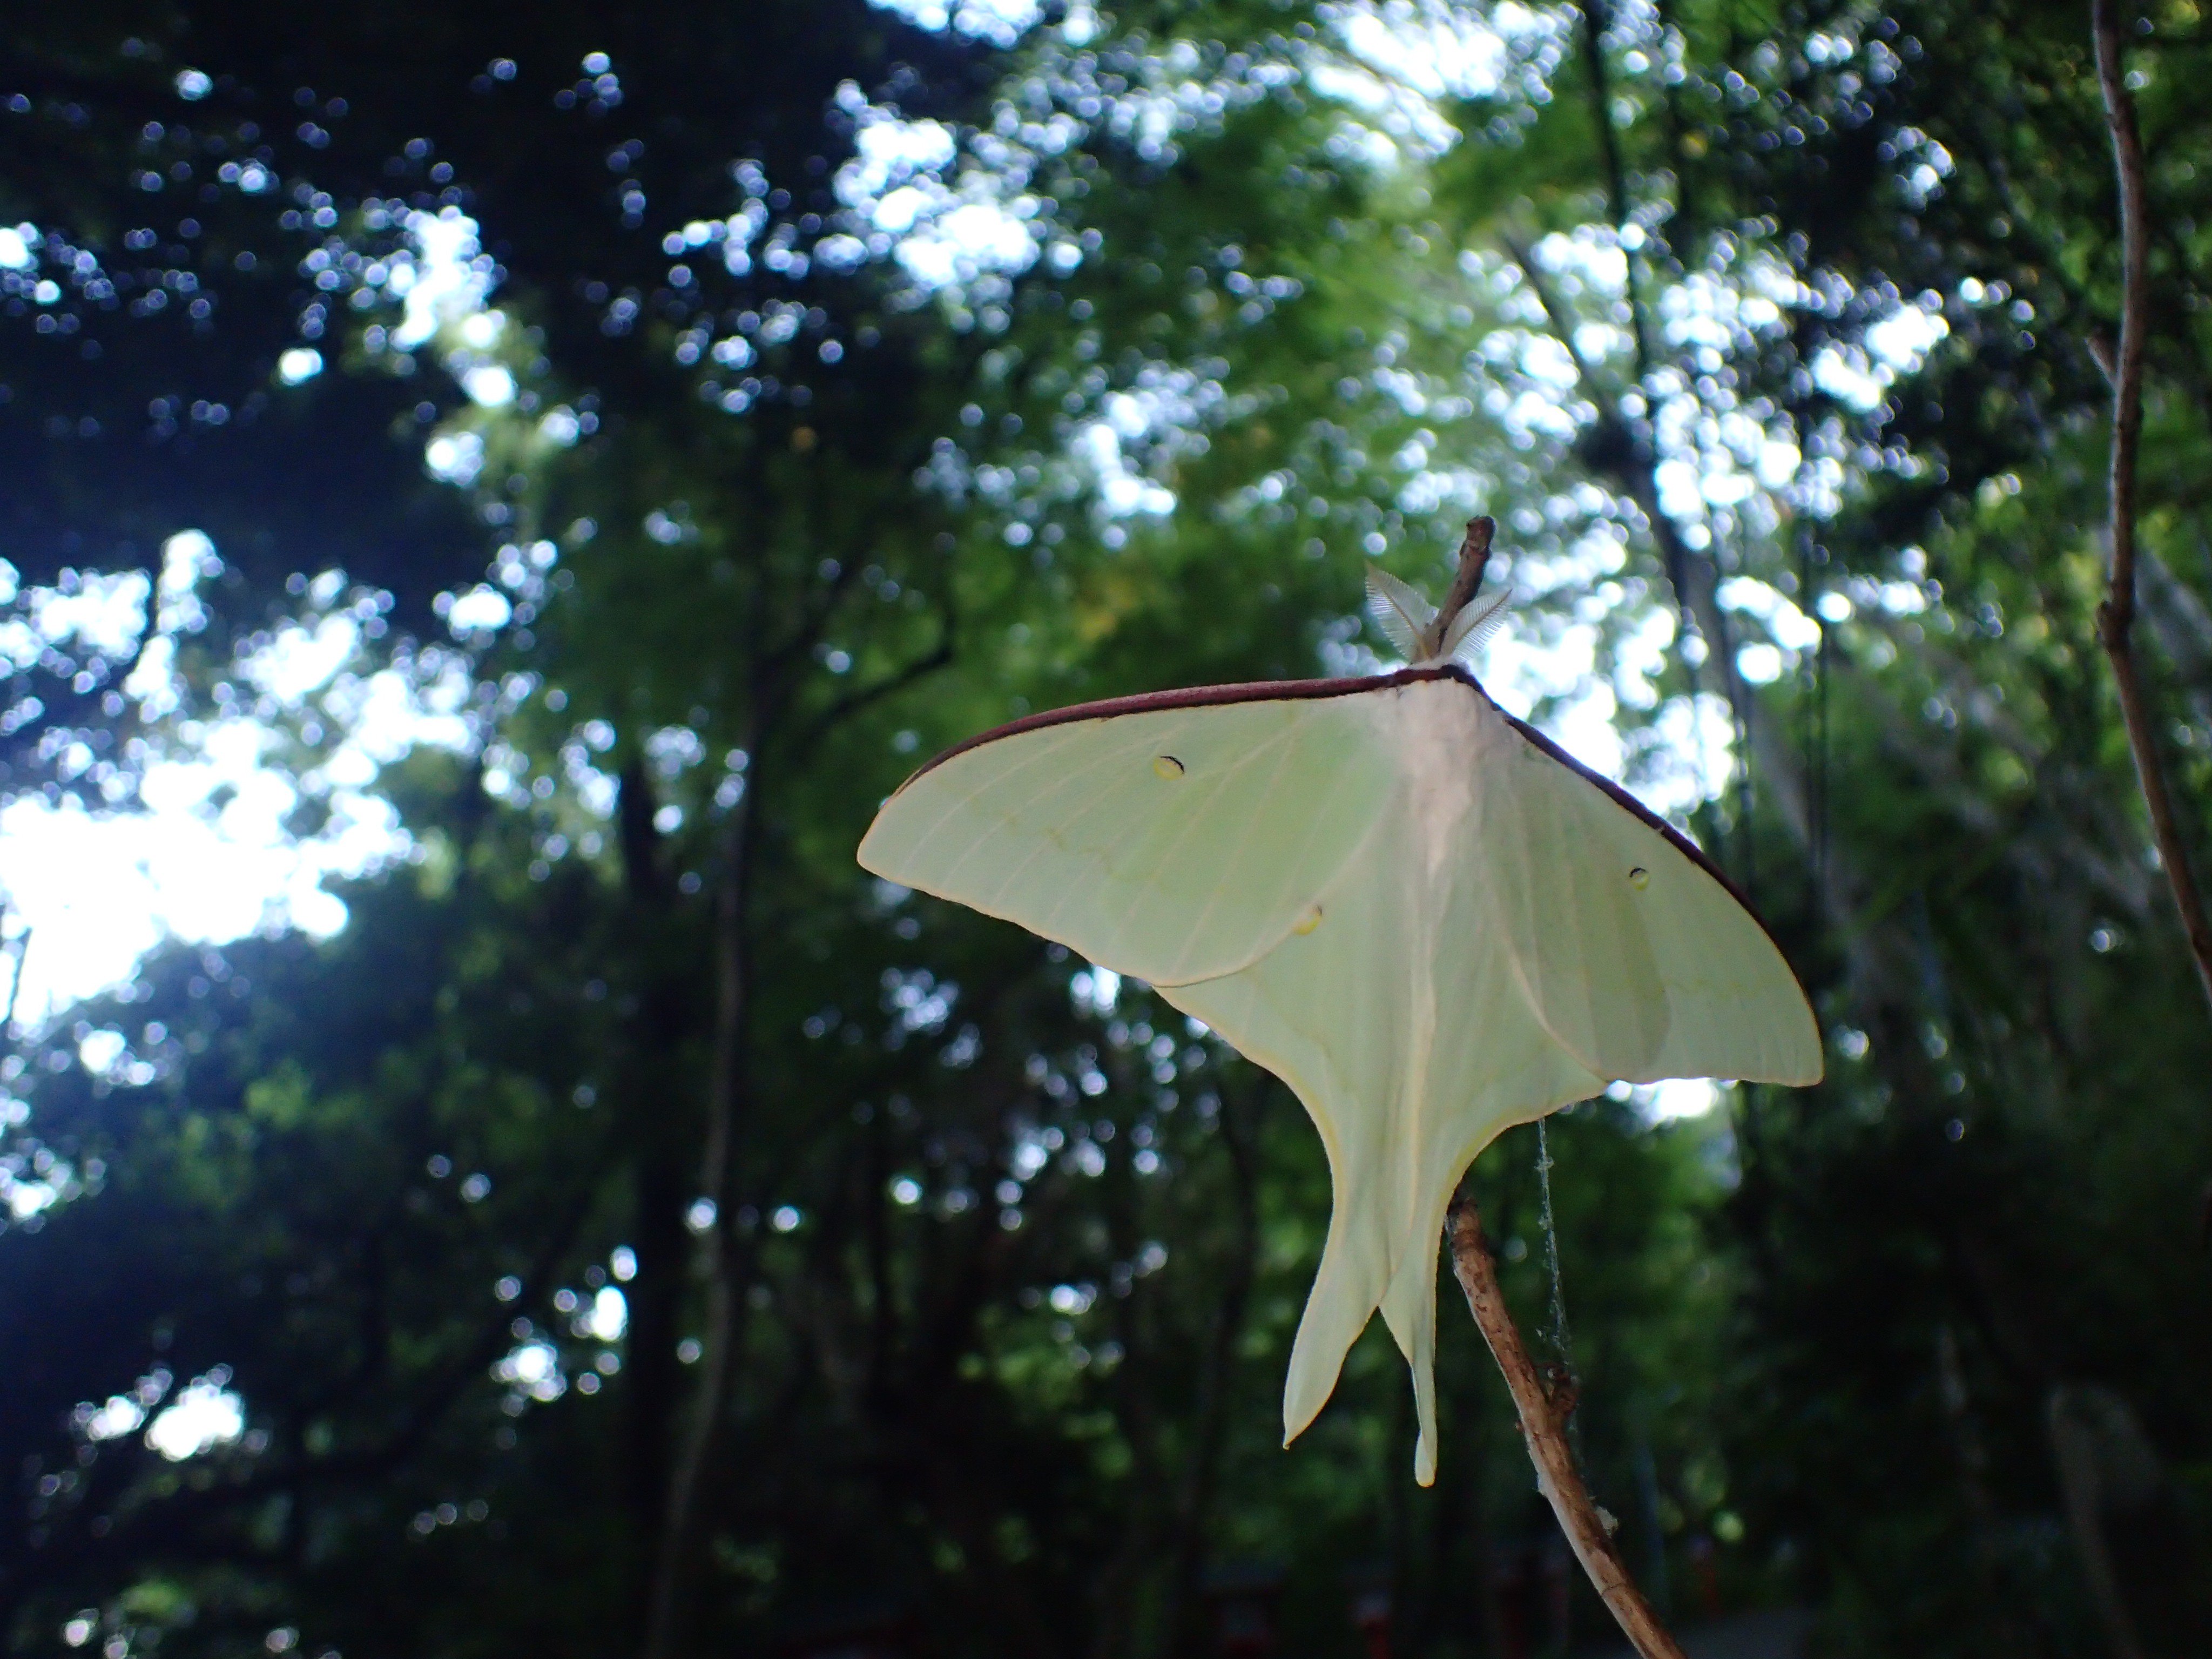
(624, 1102)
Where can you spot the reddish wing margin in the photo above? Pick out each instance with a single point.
(1272, 690)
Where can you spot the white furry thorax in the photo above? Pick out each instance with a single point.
(1440, 729)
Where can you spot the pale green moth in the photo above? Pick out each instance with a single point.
(1413, 908)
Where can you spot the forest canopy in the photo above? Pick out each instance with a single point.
(493, 498)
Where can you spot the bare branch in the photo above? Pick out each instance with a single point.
(1555, 312)
(18, 956)
(939, 656)
(1543, 1426)
(728, 1096)
(1595, 20)
(2116, 618)
(1617, 450)
(1474, 560)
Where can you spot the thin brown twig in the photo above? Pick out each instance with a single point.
(1543, 1426)
(2116, 618)
(20, 955)
(1474, 560)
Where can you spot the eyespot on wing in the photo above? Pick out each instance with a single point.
(1068, 829)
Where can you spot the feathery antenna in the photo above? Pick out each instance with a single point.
(1400, 611)
(1422, 633)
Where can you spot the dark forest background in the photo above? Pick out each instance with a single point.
(635, 1230)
